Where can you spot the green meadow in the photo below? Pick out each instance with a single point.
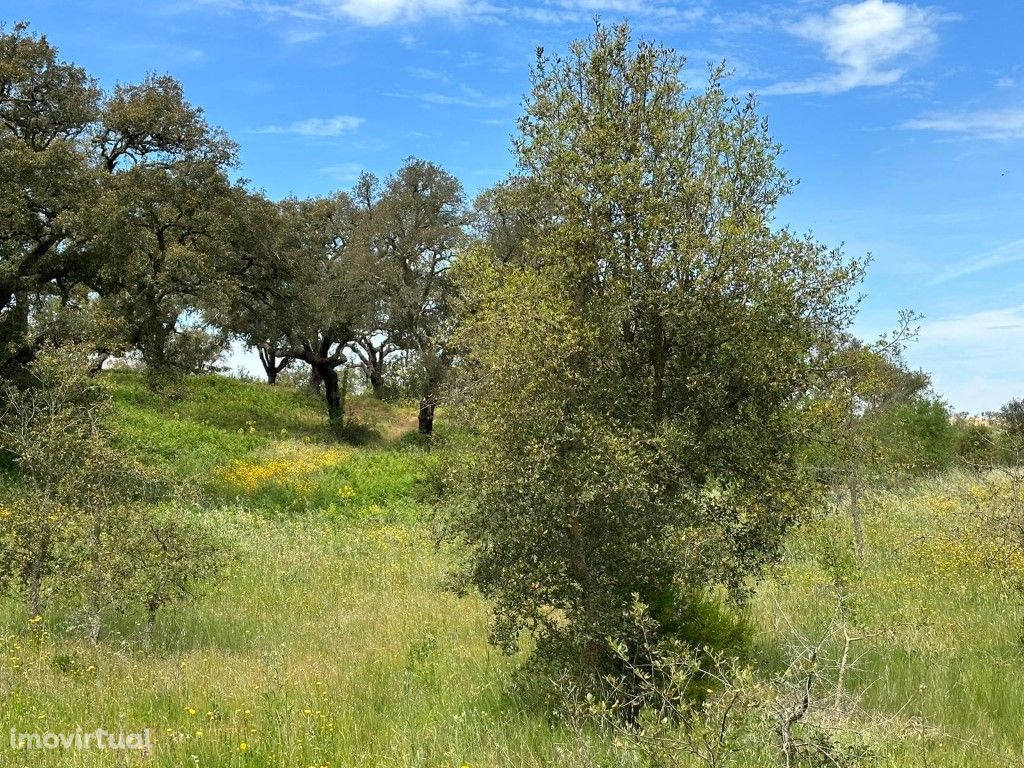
(330, 640)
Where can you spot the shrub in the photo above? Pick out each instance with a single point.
(83, 529)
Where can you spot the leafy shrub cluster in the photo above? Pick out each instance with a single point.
(84, 532)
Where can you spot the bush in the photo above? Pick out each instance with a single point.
(919, 436)
(976, 442)
(83, 531)
(671, 705)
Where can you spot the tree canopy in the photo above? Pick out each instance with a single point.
(637, 363)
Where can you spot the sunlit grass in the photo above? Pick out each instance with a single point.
(323, 646)
(331, 640)
(943, 626)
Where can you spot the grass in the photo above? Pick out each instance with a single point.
(945, 630)
(331, 641)
(323, 647)
(269, 447)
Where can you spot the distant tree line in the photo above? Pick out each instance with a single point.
(121, 229)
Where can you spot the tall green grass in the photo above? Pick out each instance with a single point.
(942, 625)
(331, 640)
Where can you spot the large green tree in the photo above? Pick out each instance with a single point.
(637, 365)
(160, 223)
(307, 290)
(265, 279)
(47, 109)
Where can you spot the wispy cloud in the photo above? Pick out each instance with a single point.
(306, 11)
(422, 73)
(988, 344)
(161, 52)
(996, 124)
(465, 97)
(316, 126)
(377, 12)
(364, 12)
(870, 43)
(1005, 254)
(983, 329)
(299, 36)
(665, 13)
(575, 11)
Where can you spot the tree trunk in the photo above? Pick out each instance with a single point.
(35, 576)
(373, 361)
(270, 363)
(332, 393)
(35, 588)
(426, 416)
(153, 341)
(95, 599)
(377, 382)
(859, 545)
(94, 625)
(659, 363)
(315, 381)
(152, 606)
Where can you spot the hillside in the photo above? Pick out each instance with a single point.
(330, 640)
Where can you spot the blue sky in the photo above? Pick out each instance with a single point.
(904, 123)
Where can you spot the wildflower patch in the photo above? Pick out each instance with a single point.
(290, 471)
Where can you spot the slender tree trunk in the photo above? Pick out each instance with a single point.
(152, 606)
(97, 584)
(859, 545)
(94, 623)
(844, 663)
(35, 576)
(592, 650)
(659, 363)
(35, 585)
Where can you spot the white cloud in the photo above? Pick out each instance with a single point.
(299, 36)
(466, 97)
(580, 11)
(977, 359)
(365, 12)
(284, 9)
(316, 126)
(1005, 254)
(870, 42)
(383, 12)
(422, 73)
(979, 329)
(376, 12)
(1002, 125)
